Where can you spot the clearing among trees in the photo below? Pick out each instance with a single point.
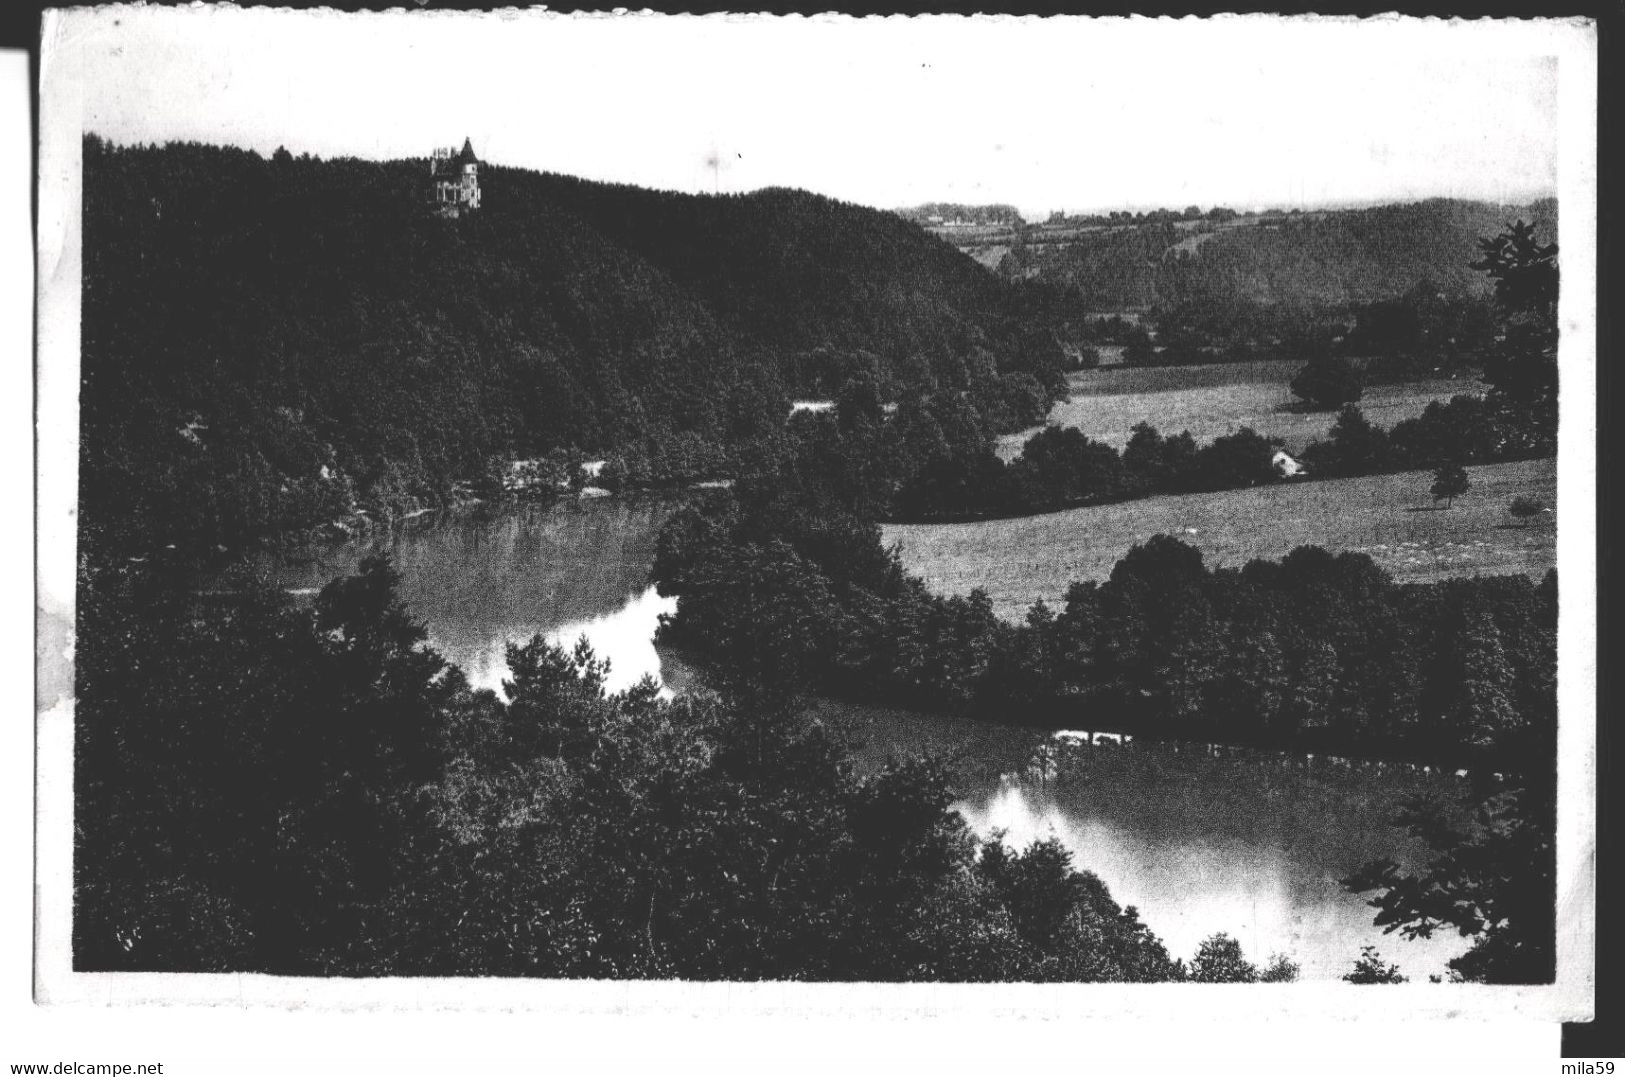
(1389, 517)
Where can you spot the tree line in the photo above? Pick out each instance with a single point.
(1316, 652)
(1411, 335)
(1062, 468)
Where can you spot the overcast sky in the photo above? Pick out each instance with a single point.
(1045, 114)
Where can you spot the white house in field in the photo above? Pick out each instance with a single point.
(1286, 465)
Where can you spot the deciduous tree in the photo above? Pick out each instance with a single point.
(1328, 383)
(1219, 960)
(1371, 969)
(1450, 481)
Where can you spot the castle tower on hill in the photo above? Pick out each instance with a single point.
(454, 180)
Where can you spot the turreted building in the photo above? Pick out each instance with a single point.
(454, 180)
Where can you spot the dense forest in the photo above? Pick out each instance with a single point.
(272, 343)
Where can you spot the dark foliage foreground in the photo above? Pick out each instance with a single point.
(263, 788)
(314, 792)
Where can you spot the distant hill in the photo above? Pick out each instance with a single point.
(1314, 258)
(269, 342)
(954, 214)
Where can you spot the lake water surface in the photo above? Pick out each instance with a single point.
(1197, 843)
(562, 571)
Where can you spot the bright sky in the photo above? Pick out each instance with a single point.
(1046, 114)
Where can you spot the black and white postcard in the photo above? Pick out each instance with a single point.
(941, 516)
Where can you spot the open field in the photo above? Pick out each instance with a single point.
(1189, 244)
(1217, 399)
(989, 256)
(1390, 517)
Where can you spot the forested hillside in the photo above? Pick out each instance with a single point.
(1323, 258)
(269, 343)
(1352, 256)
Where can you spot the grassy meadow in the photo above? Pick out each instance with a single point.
(1390, 517)
(1219, 398)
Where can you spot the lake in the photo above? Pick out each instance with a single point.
(1248, 843)
(479, 582)
(1198, 843)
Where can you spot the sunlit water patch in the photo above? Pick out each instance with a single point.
(561, 571)
(1249, 844)
(1271, 898)
(625, 637)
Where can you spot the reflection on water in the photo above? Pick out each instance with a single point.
(1198, 843)
(1270, 899)
(624, 636)
(561, 571)
(1251, 845)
